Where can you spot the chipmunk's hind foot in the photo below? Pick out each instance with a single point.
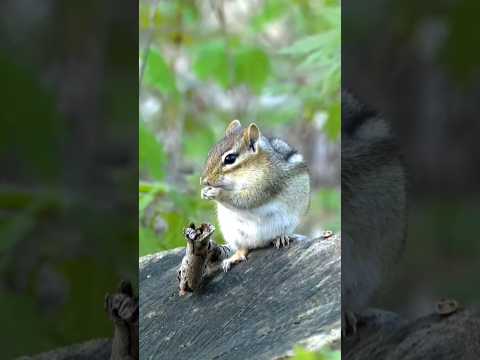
(282, 241)
(238, 257)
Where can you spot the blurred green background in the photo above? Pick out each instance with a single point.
(205, 63)
(68, 154)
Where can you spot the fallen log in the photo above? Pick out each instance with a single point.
(439, 335)
(260, 309)
(98, 349)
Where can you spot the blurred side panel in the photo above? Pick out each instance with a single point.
(69, 160)
(418, 66)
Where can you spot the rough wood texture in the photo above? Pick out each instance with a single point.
(432, 337)
(90, 350)
(258, 310)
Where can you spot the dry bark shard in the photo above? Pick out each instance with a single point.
(202, 257)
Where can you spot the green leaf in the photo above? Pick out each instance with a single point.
(148, 192)
(144, 201)
(272, 10)
(310, 43)
(333, 16)
(15, 229)
(174, 236)
(332, 125)
(152, 157)
(211, 63)
(148, 241)
(252, 68)
(198, 142)
(303, 354)
(158, 74)
(155, 187)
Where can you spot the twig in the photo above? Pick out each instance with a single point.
(146, 49)
(148, 187)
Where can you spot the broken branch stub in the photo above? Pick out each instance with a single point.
(122, 308)
(201, 257)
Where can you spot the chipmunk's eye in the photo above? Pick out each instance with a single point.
(230, 159)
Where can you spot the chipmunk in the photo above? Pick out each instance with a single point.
(261, 187)
(374, 206)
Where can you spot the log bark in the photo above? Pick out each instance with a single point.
(260, 309)
(384, 335)
(98, 349)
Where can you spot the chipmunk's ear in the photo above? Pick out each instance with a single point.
(252, 136)
(233, 126)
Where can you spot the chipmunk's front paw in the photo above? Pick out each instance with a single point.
(226, 265)
(282, 241)
(210, 192)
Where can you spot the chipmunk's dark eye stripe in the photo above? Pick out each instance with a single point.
(230, 159)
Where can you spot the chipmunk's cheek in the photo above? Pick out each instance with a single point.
(230, 184)
(239, 185)
(210, 192)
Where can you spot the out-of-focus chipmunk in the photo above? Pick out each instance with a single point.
(374, 206)
(261, 186)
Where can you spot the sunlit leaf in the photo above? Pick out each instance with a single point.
(303, 354)
(144, 201)
(158, 74)
(310, 43)
(155, 187)
(252, 67)
(272, 10)
(211, 63)
(197, 143)
(333, 124)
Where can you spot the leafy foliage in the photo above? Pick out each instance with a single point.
(303, 354)
(152, 157)
(211, 63)
(252, 68)
(158, 74)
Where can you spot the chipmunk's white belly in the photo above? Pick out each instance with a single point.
(257, 227)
